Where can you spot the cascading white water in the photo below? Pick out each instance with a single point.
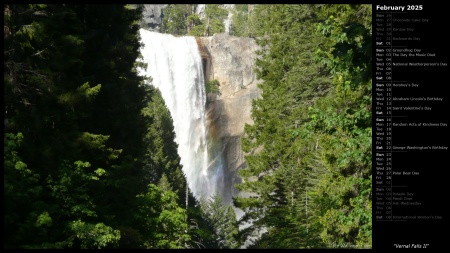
(175, 65)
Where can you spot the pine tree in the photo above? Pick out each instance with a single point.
(75, 132)
(277, 178)
(345, 122)
(222, 218)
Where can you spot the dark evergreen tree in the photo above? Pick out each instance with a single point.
(222, 220)
(309, 149)
(75, 129)
(276, 177)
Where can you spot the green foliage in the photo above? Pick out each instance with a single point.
(195, 25)
(160, 156)
(20, 186)
(276, 170)
(176, 19)
(213, 86)
(94, 235)
(164, 183)
(309, 148)
(44, 219)
(241, 21)
(162, 219)
(75, 154)
(215, 15)
(180, 19)
(222, 218)
(344, 124)
(198, 30)
(194, 20)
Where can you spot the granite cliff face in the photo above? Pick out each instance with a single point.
(152, 16)
(231, 62)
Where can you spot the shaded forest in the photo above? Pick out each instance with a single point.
(89, 154)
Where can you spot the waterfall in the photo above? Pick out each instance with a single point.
(175, 66)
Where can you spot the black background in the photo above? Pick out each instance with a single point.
(432, 185)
